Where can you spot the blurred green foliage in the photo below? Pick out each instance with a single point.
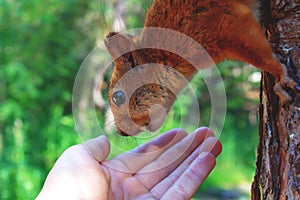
(42, 45)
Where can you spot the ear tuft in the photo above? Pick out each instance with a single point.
(118, 44)
(111, 34)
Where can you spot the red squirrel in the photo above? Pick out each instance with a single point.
(226, 29)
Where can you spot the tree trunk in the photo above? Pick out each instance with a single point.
(278, 160)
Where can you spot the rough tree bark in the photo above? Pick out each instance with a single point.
(278, 161)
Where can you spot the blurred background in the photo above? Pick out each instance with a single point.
(42, 45)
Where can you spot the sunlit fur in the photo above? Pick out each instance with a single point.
(225, 28)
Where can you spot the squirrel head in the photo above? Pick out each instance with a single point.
(141, 89)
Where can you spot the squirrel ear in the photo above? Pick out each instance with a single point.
(119, 45)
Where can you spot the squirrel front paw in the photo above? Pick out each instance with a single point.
(288, 79)
(279, 89)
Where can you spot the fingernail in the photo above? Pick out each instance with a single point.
(203, 154)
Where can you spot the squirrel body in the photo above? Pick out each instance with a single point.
(226, 29)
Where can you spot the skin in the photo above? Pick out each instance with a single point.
(134, 175)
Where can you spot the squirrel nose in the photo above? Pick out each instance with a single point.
(142, 120)
(121, 132)
(130, 130)
(150, 120)
(153, 119)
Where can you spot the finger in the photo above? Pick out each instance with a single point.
(191, 179)
(161, 141)
(98, 147)
(132, 161)
(171, 158)
(212, 145)
(161, 188)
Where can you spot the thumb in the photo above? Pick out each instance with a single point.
(98, 147)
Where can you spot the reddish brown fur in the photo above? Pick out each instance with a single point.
(225, 28)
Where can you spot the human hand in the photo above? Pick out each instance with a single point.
(167, 167)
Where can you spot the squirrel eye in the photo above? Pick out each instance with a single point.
(118, 98)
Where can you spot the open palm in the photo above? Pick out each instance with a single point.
(171, 166)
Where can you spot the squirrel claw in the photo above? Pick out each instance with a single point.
(285, 81)
(284, 96)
